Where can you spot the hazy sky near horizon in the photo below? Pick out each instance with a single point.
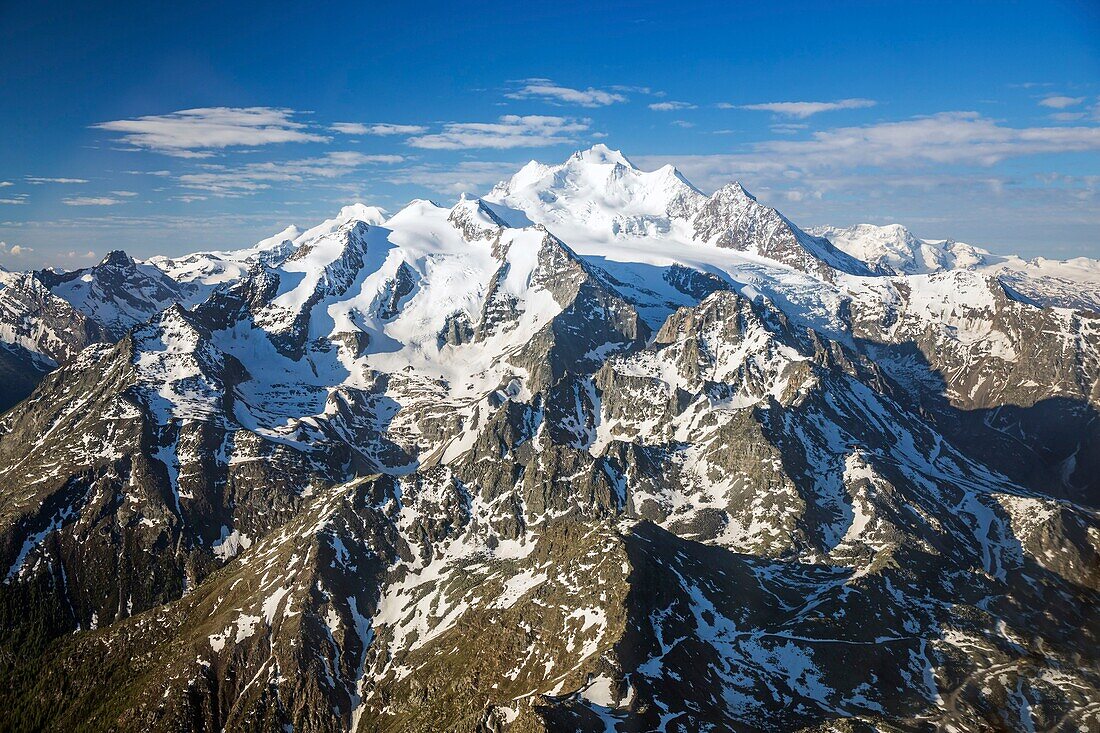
(164, 128)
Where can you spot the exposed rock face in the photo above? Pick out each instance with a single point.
(732, 218)
(38, 330)
(451, 470)
(118, 293)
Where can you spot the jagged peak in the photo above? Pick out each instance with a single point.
(734, 190)
(474, 219)
(117, 258)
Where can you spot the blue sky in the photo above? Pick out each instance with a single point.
(164, 128)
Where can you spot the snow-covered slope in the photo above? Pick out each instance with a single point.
(1071, 283)
(598, 197)
(205, 271)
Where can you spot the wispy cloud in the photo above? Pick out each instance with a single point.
(788, 128)
(629, 89)
(463, 177)
(509, 131)
(802, 110)
(5, 184)
(15, 200)
(376, 128)
(92, 201)
(195, 133)
(946, 138)
(39, 180)
(670, 106)
(548, 91)
(247, 179)
(682, 123)
(949, 138)
(1058, 101)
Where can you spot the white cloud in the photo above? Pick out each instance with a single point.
(802, 110)
(92, 201)
(946, 138)
(949, 138)
(253, 177)
(682, 123)
(125, 194)
(5, 184)
(194, 133)
(376, 128)
(13, 202)
(1067, 116)
(510, 131)
(14, 249)
(547, 90)
(670, 106)
(38, 180)
(1058, 101)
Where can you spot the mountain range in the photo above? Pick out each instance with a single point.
(595, 451)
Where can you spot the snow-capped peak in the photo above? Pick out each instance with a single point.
(600, 154)
(361, 212)
(599, 193)
(734, 190)
(371, 215)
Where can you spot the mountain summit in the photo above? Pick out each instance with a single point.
(597, 451)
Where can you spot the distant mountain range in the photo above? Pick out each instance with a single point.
(596, 451)
(893, 249)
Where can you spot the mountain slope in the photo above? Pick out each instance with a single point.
(555, 460)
